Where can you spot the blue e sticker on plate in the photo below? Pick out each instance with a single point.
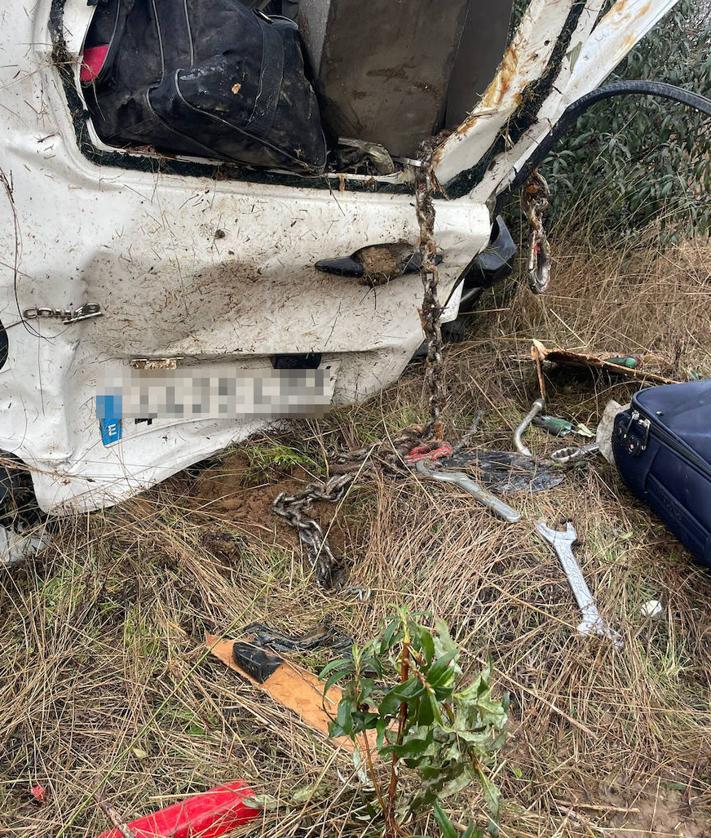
(109, 412)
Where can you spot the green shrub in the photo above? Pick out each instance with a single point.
(631, 161)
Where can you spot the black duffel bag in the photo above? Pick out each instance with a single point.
(204, 78)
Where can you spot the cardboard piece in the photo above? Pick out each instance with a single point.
(293, 687)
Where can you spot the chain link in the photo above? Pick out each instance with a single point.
(66, 315)
(388, 455)
(431, 311)
(535, 200)
(345, 467)
(295, 508)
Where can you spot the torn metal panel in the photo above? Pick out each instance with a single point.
(551, 109)
(617, 32)
(595, 50)
(604, 363)
(504, 127)
(525, 59)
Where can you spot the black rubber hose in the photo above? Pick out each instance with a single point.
(615, 88)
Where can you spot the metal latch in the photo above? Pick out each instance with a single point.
(66, 315)
(635, 442)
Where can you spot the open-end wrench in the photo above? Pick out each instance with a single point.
(572, 454)
(562, 543)
(464, 481)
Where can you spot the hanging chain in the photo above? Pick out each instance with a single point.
(535, 200)
(431, 311)
(388, 456)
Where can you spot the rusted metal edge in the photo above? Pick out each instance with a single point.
(589, 361)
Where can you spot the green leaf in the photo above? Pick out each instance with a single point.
(444, 823)
(414, 746)
(393, 634)
(337, 674)
(425, 711)
(381, 727)
(491, 795)
(336, 663)
(428, 645)
(344, 719)
(363, 720)
(440, 672)
(392, 700)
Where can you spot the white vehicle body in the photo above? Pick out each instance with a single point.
(192, 271)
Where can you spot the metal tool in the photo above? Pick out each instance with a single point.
(464, 481)
(592, 622)
(537, 407)
(565, 456)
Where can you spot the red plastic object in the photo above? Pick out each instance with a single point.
(39, 793)
(427, 452)
(91, 62)
(208, 815)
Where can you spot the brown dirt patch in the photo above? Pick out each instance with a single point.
(231, 490)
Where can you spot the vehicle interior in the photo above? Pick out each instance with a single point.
(306, 87)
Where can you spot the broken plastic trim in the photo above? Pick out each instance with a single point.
(494, 263)
(306, 361)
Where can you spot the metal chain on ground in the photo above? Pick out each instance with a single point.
(387, 455)
(535, 200)
(346, 467)
(294, 509)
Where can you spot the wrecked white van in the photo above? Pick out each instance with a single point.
(161, 295)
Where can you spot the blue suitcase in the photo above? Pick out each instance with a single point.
(662, 447)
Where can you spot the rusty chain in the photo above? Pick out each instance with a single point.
(386, 455)
(345, 467)
(431, 311)
(535, 200)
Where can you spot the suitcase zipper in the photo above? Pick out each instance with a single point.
(669, 440)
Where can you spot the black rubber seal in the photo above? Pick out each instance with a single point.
(257, 663)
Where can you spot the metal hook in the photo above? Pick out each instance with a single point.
(537, 407)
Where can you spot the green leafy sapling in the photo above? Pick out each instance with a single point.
(406, 686)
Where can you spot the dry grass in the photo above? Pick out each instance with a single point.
(105, 685)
